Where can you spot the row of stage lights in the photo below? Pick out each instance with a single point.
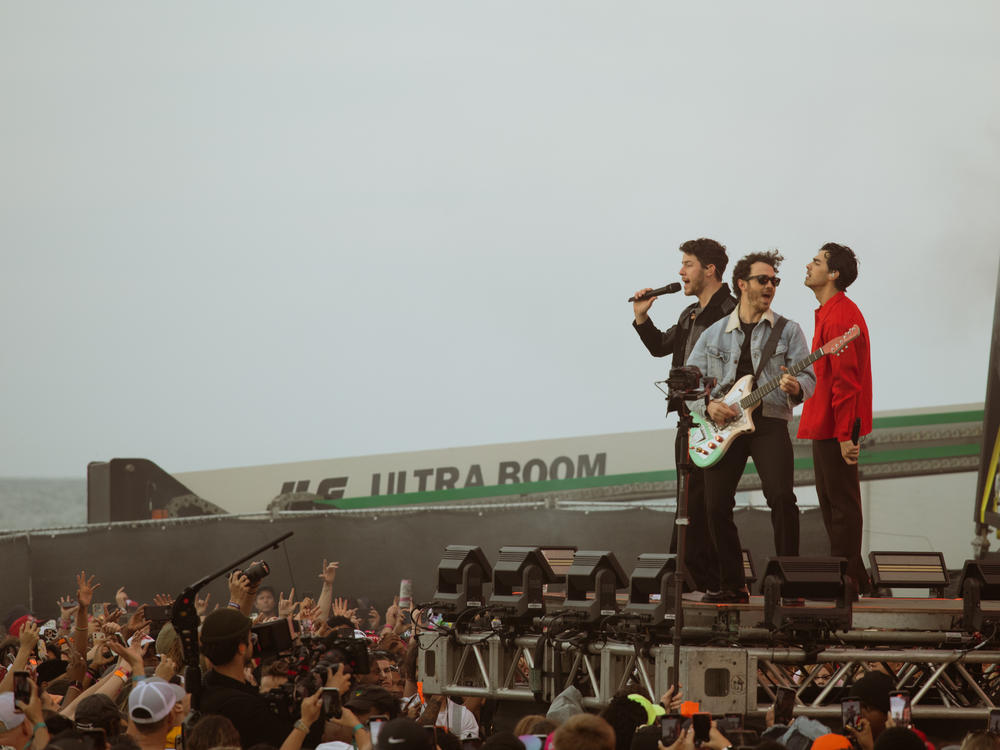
(593, 579)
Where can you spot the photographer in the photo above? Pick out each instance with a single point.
(226, 643)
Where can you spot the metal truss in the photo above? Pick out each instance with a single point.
(943, 682)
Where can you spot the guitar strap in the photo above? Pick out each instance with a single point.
(770, 345)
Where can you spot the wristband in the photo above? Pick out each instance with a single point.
(356, 727)
(83, 629)
(235, 605)
(122, 675)
(301, 725)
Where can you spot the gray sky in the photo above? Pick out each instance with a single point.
(247, 233)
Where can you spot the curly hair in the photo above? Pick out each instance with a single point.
(842, 259)
(709, 253)
(741, 272)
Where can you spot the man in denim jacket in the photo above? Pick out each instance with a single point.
(728, 350)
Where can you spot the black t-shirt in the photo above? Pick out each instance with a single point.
(243, 705)
(745, 366)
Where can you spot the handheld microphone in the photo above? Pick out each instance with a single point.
(668, 289)
(856, 431)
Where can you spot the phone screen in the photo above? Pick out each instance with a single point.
(670, 726)
(784, 705)
(331, 702)
(702, 724)
(899, 707)
(735, 721)
(850, 712)
(22, 689)
(374, 727)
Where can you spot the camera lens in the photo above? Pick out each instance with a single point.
(256, 572)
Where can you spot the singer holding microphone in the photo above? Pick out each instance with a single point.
(703, 262)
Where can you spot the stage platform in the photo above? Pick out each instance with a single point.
(730, 662)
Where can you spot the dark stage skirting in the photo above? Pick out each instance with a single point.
(375, 551)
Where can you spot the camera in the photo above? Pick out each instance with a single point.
(256, 572)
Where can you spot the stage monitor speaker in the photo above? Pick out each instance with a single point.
(909, 570)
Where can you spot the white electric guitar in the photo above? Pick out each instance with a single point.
(708, 442)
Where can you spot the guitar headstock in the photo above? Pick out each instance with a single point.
(834, 346)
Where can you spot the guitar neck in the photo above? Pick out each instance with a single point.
(757, 395)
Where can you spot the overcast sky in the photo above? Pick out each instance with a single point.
(247, 233)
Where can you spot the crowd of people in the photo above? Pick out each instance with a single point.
(346, 678)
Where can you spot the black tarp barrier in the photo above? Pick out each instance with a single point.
(375, 551)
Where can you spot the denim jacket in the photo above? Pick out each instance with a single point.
(717, 355)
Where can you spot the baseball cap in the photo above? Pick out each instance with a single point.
(831, 742)
(873, 690)
(9, 718)
(403, 734)
(152, 699)
(99, 711)
(224, 625)
(367, 697)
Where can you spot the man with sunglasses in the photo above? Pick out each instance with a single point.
(752, 340)
(843, 395)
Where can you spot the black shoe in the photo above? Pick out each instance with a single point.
(727, 597)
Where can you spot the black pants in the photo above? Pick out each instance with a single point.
(839, 492)
(771, 449)
(699, 555)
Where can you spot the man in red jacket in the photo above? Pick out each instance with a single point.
(843, 394)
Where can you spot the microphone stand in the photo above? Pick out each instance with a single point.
(681, 388)
(681, 520)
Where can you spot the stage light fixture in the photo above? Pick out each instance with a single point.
(908, 570)
(808, 578)
(592, 584)
(461, 574)
(979, 584)
(650, 588)
(519, 577)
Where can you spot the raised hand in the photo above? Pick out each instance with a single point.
(393, 614)
(77, 667)
(311, 708)
(166, 669)
(28, 637)
(286, 607)
(339, 679)
(340, 608)
(85, 588)
(201, 605)
(121, 598)
(136, 622)
(67, 607)
(239, 586)
(672, 700)
(329, 572)
(163, 600)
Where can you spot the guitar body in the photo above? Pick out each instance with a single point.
(707, 441)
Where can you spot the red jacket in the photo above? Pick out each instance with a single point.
(843, 381)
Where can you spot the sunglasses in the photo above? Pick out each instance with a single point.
(763, 279)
